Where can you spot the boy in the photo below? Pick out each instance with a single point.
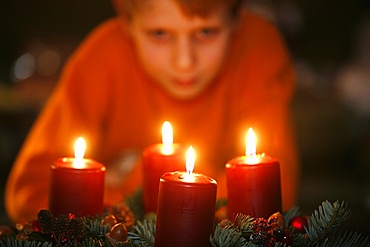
(210, 68)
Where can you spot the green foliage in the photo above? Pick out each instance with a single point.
(136, 205)
(245, 224)
(326, 220)
(240, 232)
(92, 242)
(321, 230)
(144, 233)
(345, 240)
(294, 211)
(233, 235)
(20, 243)
(94, 228)
(228, 236)
(221, 202)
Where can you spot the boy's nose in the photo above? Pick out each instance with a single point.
(184, 54)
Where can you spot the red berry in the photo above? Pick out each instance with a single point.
(71, 216)
(36, 225)
(299, 223)
(286, 239)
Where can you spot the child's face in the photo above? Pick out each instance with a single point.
(181, 53)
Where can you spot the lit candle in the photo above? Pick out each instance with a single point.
(77, 185)
(186, 207)
(157, 160)
(253, 183)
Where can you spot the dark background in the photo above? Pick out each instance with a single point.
(331, 107)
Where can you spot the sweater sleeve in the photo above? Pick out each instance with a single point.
(76, 108)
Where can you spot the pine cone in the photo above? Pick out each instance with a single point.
(77, 226)
(45, 218)
(68, 229)
(123, 214)
(262, 235)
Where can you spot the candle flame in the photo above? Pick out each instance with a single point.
(80, 147)
(190, 160)
(250, 142)
(167, 137)
(250, 150)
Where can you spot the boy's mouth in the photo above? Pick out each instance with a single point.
(184, 82)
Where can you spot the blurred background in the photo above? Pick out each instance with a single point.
(330, 44)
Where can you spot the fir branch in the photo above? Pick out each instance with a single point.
(135, 204)
(221, 202)
(133, 244)
(245, 224)
(144, 233)
(294, 211)
(228, 236)
(94, 228)
(346, 240)
(321, 231)
(299, 239)
(326, 219)
(106, 243)
(92, 242)
(150, 217)
(21, 243)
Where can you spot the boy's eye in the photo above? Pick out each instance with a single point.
(159, 35)
(206, 34)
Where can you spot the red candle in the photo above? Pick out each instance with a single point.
(186, 208)
(77, 185)
(253, 183)
(157, 160)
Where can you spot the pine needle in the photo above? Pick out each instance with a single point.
(144, 233)
(352, 239)
(227, 237)
(326, 220)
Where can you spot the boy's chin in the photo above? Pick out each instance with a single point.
(184, 94)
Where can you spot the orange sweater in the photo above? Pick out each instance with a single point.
(104, 96)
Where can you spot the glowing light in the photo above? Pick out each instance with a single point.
(167, 138)
(24, 67)
(250, 143)
(190, 160)
(80, 147)
(250, 150)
